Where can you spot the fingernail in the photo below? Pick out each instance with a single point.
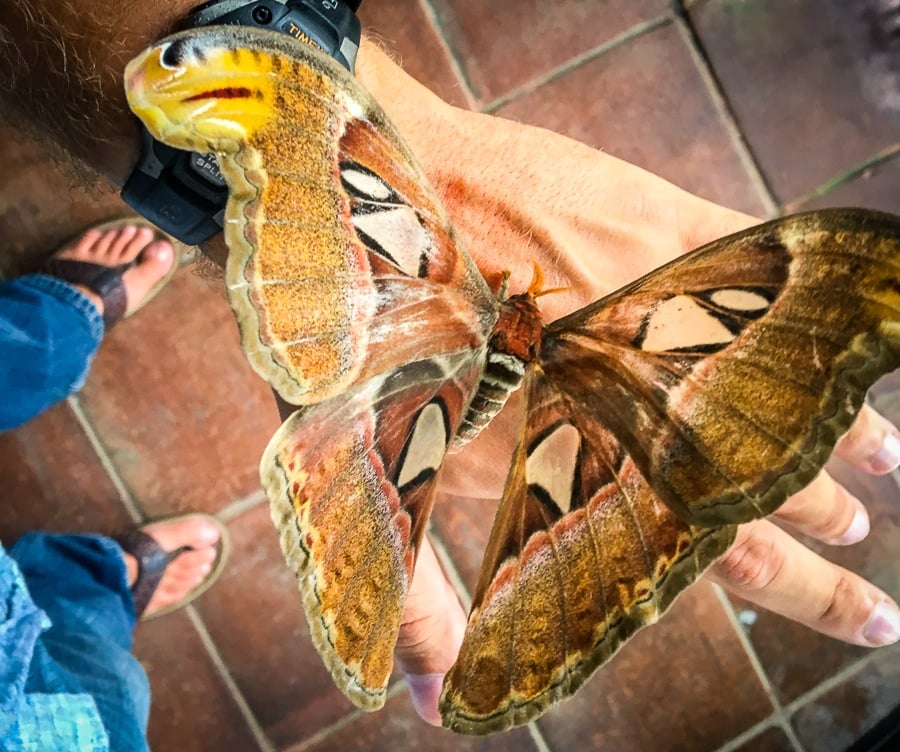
(858, 529)
(888, 457)
(883, 627)
(424, 691)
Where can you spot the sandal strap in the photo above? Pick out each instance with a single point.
(104, 281)
(152, 561)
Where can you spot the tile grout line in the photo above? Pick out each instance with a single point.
(322, 734)
(726, 114)
(537, 737)
(745, 736)
(241, 506)
(876, 160)
(848, 672)
(638, 30)
(778, 714)
(262, 741)
(343, 722)
(125, 496)
(459, 70)
(137, 515)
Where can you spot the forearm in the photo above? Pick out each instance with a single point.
(509, 188)
(61, 67)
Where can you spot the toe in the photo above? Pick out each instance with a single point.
(188, 569)
(195, 531)
(191, 560)
(140, 240)
(154, 263)
(125, 238)
(100, 248)
(82, 246)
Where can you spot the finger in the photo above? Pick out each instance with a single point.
(430, 635)
(826, 511)
(773, 570)
(872, 444)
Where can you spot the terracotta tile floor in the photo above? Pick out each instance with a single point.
(758, 104)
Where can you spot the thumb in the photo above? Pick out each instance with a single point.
(430, 634)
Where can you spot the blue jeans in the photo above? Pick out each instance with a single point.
(49, 333)
(68, 680)
(81, 689)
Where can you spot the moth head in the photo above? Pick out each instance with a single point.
(200, 93)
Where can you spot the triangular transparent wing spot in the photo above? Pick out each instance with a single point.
(397, 235)
(424, 450)
(551, 466)
(682, 323)
(384, 221)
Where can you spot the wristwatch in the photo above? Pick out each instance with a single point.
(183, 192)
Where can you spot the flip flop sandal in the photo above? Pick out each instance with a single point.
(106, 281)
(152, 561)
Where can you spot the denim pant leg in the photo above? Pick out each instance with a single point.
(49, 333)
(80, 582)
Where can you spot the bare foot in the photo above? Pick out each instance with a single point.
(188, 570)
(120, 246)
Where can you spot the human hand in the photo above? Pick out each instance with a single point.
(522, 196)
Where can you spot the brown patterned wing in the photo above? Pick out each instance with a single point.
(353, 299)
(351, 483)
(342, 263)
(703, 394)
(582, 554)
(729, 374)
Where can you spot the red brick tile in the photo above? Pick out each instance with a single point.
(53, 480)
(877, 188)
(191, 707)
(794, 657)
(408, 34)
(173, 399)
(397, 727)
(646, 103)
(683, 684)
(503, 45)
(255, 616)
(834, 720)
(810, 84)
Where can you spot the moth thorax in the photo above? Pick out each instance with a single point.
(514, 343)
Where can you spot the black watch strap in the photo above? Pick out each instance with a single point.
(183, 193)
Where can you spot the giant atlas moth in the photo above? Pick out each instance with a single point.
(699, 396)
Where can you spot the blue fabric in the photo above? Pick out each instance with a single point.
(69, 680)
(49, 333)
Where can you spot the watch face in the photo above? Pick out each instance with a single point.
(206, 167)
